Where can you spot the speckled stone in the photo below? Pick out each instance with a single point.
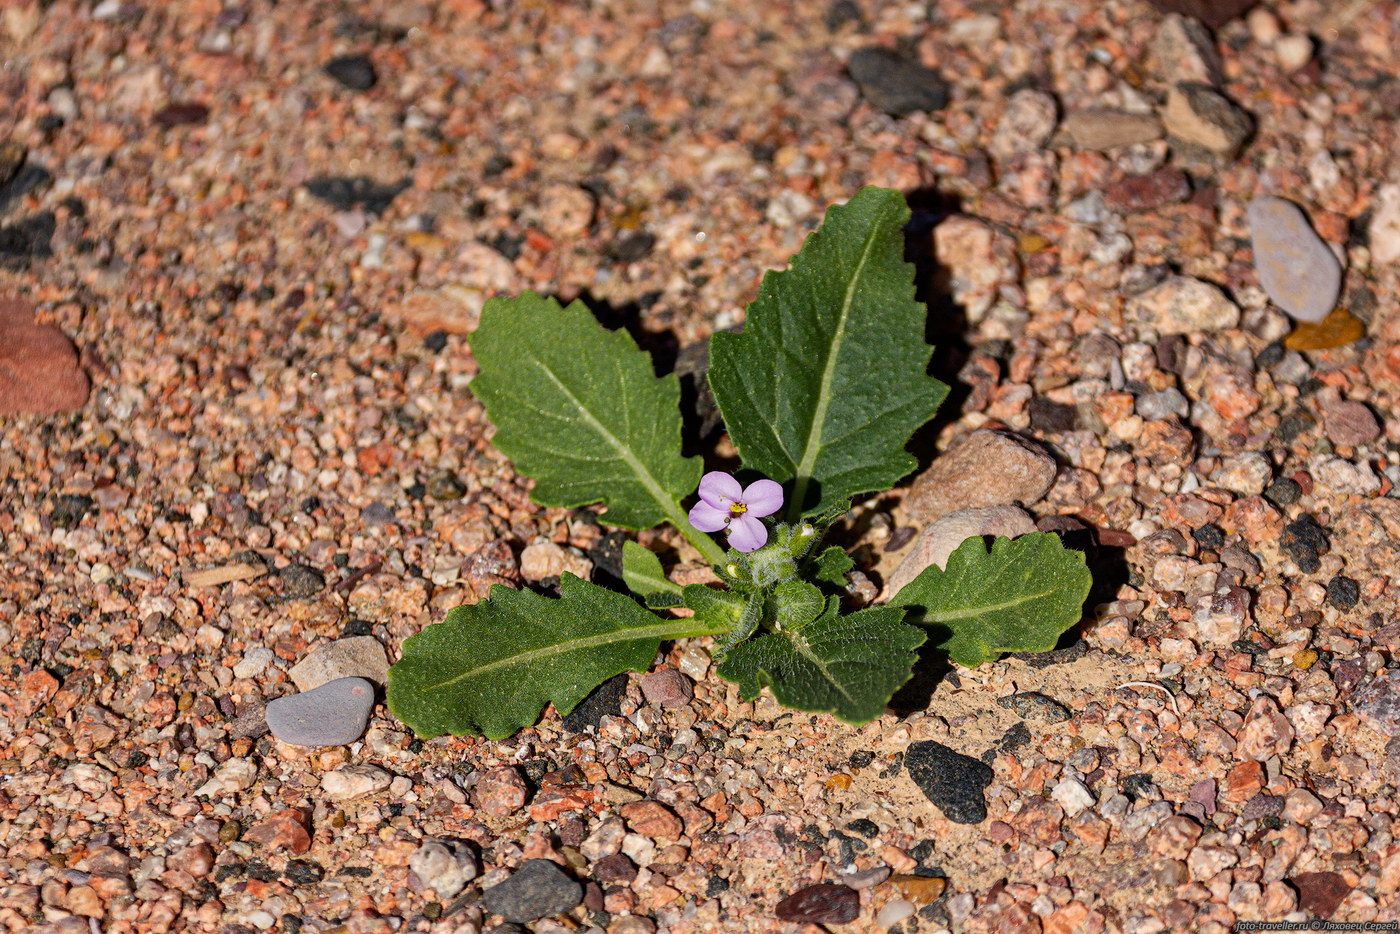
(1297, 269)
(333, 714)
(952, 781)
(538, 889)
(356, 657)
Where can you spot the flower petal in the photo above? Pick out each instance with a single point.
(719, 489)
(747, 534)
(707, 518)
(763, 497)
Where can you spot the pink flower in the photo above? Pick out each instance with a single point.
(725, 505)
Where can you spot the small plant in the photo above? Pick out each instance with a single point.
(819, 395)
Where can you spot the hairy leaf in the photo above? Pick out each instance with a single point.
(641, 572)
(577, 408)
(828, 381)
(1019, 597)
(490, 668)
(833, 565)
(843, 665)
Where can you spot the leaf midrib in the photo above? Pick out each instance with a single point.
(657, 492)
(945, 616)
(815, 430)
(671, 629)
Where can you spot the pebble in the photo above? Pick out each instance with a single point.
(1377, 701)
(1350, 424)
(542, 560)
(253, 662)
(1154, 406)
(953, 782)
(921, 890)
(1214, 13)
(355, 781)
(1293, 52)
(355, 72)
(668, 688)
(356, 657)
(980, 261)
(1296, 268)
(989, 468)
(943, 537)
(281, 830)
(1384, 230)
(1199, 115)
(331, 714)
(1101, 129)
(1144, 192)
(346, 192)
(893, 913)
(824, 903)
(27, 240)
(897, 85)
(500, 792)
(1025, 125)
(538, 889)
(1320, 893)
(1184, 50)
(1248, 473)
(1032, 705)
(39, 370)
(1266, 731)
(652, 819)
(299, 580)
(1072, 796)
(1182, 305)
(445, 866)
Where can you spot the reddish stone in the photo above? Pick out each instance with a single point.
(820, 904)
(652, 819)
(285, 829)
(500, 792)
(35, 689)
(39, 370)
(550, 804)
(1144, 192)
(1320, 893)
(1244, 782)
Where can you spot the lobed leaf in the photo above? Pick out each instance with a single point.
(577, 408)
(1020, 596)
(829, 379)
(843, 665)
(490, 668)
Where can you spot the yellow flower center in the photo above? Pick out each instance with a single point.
(737, 509)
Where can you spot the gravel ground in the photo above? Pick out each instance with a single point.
(267, 230)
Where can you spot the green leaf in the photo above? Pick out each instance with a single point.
(725, 611)
(1019, 597)
(489, 669)
(828, 381)
(577, 408)
(843, 665)
(641, 572)
(833, 565)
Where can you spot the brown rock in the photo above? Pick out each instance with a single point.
(1198, 114)
(990, 468)
(282, 830)
(1214, 13)
(197, 860)
(39, 372)
(1144, 192)
(921, 890)
(1320, 893)
(1350, 423)
(82, 900)
(500, 792)
(668, 688)
(1099, 129)
(652, 819)
(452, 309)
(820, 904)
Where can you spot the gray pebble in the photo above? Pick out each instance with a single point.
(538, 889)
(445, 866)
(1298, 270)
(333, 714)
(1155, 406)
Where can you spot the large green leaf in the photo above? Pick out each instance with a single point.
(828, 663)
(1019, 597)
(577, 408)
(829, 379)
(489, 669)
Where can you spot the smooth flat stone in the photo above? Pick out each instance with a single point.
(333, 714)
(1298, 270)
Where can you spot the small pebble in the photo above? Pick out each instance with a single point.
(333, 714)
(897, 85)
(355, 72)
(1182, 305)
(952, 781)
(538, 889)
(824, 903)
(1098, 129)
(989, 468)
(1298, 270)
(356, 657)
(893, 913)
(444, 866)
(667, 688)
(1199, 115)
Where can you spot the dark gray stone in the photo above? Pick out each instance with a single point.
(951, 780)
(333, 714)
(897, 85)
(355, 72)
(538, 889)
